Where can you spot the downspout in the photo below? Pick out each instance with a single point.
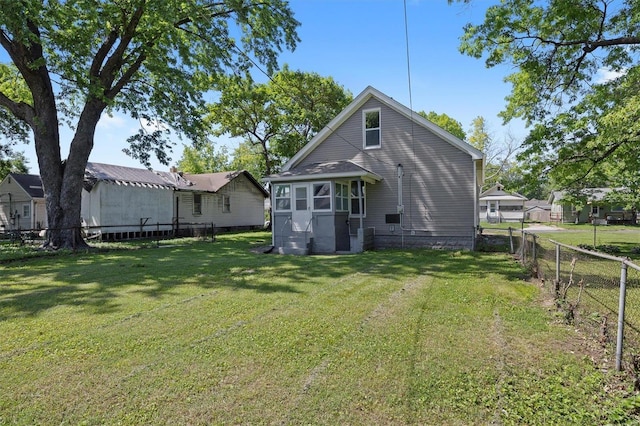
(400, 208)
(360, 206)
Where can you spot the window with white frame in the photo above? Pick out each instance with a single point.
(358, 198)
(226, 204)
(371, 125)
(282, 196)
(595, 211)
(197, 204)
(26, 210)
(322, 196)
(342, 197)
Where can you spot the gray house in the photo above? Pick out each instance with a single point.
(595, 208)
(377, 176)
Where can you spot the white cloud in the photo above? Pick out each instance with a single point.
(111, 122)
(606, 74)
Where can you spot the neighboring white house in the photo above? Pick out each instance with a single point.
(22, 205)
(124, 202)
(225, 199)
(498, 205)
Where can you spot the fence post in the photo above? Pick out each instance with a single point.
(511, 240)
(524, 248)
(623, 293)
(213, 232)
(157, 234)
(533, 251)
(556, 284)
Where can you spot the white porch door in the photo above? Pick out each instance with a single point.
(493, 209)
(301, 216)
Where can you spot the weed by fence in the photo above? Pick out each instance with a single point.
(522, 244)
(599, 293)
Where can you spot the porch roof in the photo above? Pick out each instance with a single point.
(346, 169)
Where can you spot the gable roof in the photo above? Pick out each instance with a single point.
(213, 182)
(121, 175)
(31, 184)
(357, 103)
(498, 193)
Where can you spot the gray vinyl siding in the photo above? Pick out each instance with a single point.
(438, 186)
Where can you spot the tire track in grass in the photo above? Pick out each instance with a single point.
(501, 346)
(383, 311)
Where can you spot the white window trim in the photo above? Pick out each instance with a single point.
(276, 198)
(364, 128)
(28, 207)
(364, 200)
(348, 190)
(313, 197)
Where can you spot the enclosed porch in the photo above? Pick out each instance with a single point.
(321, 208)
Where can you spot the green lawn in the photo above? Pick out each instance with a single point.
(212, 333)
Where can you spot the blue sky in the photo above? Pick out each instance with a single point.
(361, 43)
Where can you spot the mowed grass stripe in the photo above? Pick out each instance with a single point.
(215, 334)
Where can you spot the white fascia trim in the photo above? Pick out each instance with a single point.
(368, 177)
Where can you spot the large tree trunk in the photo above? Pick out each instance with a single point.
(62, 180)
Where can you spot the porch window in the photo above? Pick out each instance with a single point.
(282, 197)
(322, 196)
(342, 197)
(371, 119)
(358, 192)
(197, 204)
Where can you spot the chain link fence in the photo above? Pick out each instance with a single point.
(597, 292)
(522, 244)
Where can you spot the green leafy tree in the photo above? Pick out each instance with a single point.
(499, 156)
(277, 117)
(204, 159)
(447, 123)
(248, 156)
(12, 162)
(153, 59)
(585, 129)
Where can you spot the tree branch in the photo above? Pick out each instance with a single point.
(21, 110)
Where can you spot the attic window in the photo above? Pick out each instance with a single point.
(371, 123)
